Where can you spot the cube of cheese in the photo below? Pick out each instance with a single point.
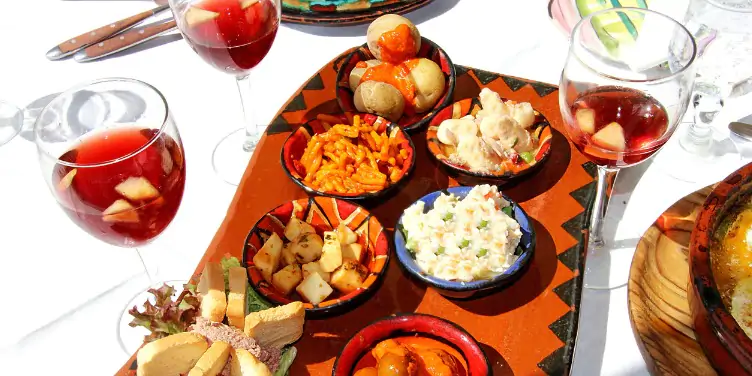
(331, 253)
(349, 276)
(287, 279)
(295, 227)
(211, 286)
(267, 258)
(314, 267)
(236, 307)
(353, 251)
(314, 289)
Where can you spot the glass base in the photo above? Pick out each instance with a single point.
(231, 156)
(700, 166)
(129, 338)
(11, 121)
(599, 273)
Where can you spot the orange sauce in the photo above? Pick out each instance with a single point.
(397, 45)
(417, 343)
(395, 75)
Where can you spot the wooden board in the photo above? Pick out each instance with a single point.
(528, 329)
(658, 282)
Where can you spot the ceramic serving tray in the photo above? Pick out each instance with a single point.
(344, 12)
(527, 329)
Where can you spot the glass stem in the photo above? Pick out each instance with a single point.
(606, 177)
(150, 272)
(252, 129)
(706, 103)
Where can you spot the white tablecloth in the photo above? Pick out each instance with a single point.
(49, 268)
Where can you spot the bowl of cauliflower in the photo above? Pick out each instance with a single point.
(489, 137)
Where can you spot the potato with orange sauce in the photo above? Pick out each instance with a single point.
(429, 83)
(379, 98)
(393, 38)
(357, 73)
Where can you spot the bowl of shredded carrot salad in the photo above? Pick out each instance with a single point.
(348, 156)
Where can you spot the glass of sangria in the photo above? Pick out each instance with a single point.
(113, 159)
(625, 87)
(232, 36)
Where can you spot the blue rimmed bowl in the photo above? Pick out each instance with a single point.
(462, 290)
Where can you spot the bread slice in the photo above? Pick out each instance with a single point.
(171, 355)
(212, 287)
(213, 360)
(278, 326)
(244, 363)
(236, 307)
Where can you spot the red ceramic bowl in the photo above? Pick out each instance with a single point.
(407, 324)
(294, 146)
(324, 214)
(726, 345)
(541, 129)
(409, 122)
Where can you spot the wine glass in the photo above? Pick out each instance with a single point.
(233, 36)
(625, 87)
(111, 155)
(11, 121)
(724, 70)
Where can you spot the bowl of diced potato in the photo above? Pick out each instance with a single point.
(328, 253)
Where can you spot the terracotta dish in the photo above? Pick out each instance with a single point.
(408, 122)
(323, 214)
(295, 145)
(724, 341)
(540, 129)
(413, 324)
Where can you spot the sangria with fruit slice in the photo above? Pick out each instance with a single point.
(132, 188)
(617, 126)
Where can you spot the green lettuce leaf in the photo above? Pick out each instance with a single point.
(165, 316)
(256, 302)
(285, 362)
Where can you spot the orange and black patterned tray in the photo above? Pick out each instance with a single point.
(528, 328)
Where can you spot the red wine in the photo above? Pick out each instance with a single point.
(127, 185)
(616, 126)
(232, 35)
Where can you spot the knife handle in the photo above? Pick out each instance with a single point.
(120, 42)
(104, 32)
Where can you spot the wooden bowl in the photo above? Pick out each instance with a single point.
(462, 290)
(324, 214)
(408, 122)
(511, 171)
(294, 146)
(413, 323)
(724, 342)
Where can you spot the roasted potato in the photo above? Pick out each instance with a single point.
(357, 73)
(307, 248)
(295, 227)
(331, 256)
(353, 251)
(267, 258)
(287, 279)
(314, 289)
(349, 276)
(429, 84)
(388, 23)
(346, 235)
(379, 98)
(314, 267)
(287, 256)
